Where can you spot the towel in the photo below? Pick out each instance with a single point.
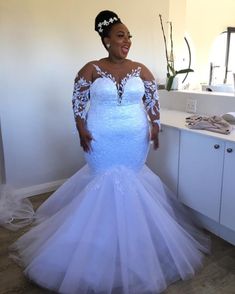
(213, 123)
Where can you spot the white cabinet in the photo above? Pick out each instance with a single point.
(200, 169)
(200, 173)
(227, 216)
(164, 161)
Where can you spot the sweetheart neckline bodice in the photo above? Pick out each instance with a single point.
(103, 91)
(119, 87)
(106, 91)
(118, 82)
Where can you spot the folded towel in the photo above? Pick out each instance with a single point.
(213, 123)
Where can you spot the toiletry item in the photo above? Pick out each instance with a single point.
(229, 117)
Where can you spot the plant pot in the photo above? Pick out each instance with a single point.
(175, 84)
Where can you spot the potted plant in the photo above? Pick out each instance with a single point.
(171, 71)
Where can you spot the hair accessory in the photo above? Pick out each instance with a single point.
(106, 23)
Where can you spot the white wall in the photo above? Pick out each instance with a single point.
(208, 103)
(43, 44)
(2, 164)
(177, 15)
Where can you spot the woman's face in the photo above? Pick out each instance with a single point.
(119, 40)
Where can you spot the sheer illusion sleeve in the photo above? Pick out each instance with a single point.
(81, 97)
(151, 101)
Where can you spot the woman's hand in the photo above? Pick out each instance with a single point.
(85, 139)
(154, 136)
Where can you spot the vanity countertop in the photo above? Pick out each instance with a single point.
(176, 119)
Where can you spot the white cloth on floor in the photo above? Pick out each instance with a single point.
(15, 212)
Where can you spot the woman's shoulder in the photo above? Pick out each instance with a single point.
(86, 71)
(89, 65)
(145, 73)
(135, 63)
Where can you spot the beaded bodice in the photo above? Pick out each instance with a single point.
(106, 91)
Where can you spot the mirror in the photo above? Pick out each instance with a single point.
(222, 63)
(222, 58)
(204, 21)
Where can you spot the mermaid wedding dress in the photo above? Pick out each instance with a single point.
(113, 227)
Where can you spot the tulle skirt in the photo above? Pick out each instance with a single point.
(115, 232)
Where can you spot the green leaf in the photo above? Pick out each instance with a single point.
(182, 71)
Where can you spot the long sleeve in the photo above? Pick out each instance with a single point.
(151, 101)
(81, 97)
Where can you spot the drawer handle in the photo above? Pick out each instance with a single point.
(229, 150)
(216, 146)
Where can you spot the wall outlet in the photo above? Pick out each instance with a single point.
(191, 105)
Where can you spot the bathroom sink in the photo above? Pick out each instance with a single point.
(218, 88)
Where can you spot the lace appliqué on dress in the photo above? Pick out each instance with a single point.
(120, 86)
(81, 97)
(151, 101)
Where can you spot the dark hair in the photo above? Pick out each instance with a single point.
(104, 22)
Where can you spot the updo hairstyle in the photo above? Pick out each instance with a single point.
(104, 22)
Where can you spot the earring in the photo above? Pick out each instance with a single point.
(108, 46)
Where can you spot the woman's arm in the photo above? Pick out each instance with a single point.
(80, 102)
(151, 103)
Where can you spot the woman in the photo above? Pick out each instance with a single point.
(113, 227)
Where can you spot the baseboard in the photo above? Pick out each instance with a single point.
(215, 227)
(38, 189)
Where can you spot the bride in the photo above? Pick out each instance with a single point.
(113, 227)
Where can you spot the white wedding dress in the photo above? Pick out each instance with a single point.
(113, 227)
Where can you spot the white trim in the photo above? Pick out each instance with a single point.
(38, 189)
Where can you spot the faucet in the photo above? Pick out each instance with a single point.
(212, 72)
